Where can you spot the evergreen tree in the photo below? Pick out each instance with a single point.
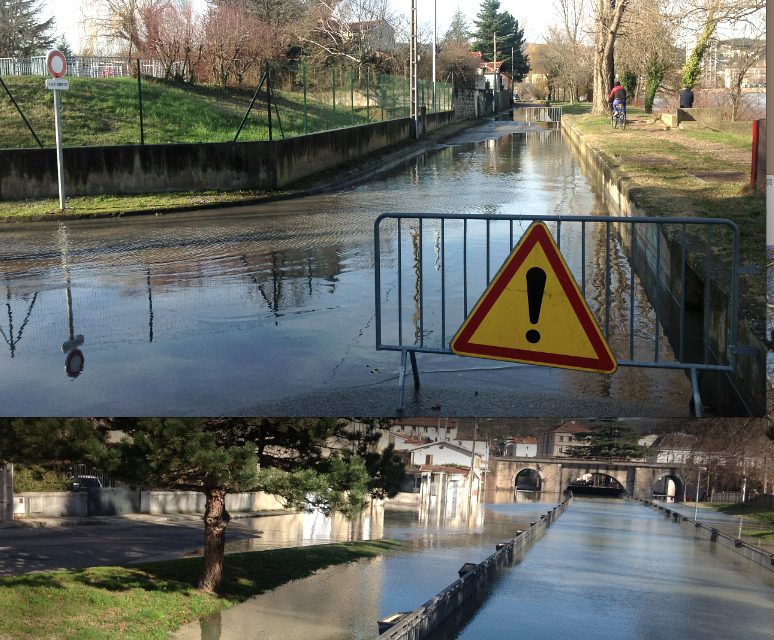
(21, 33)
(490, 21)
(64, 47)
(458, 32)
(609, 439)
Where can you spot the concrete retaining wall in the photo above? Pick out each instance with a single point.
(31, 173)
(421, 622)
(113, 502)
(746, 392)
(763, 558)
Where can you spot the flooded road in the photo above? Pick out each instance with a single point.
(606, 567)
(269, 309)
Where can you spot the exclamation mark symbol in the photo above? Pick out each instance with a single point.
(536, 284)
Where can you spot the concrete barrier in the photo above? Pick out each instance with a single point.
(420, 623)
(739, 393)
(756, 555)
(114, 502)
(225, 166)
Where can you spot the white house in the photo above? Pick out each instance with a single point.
(521, 446)
(426, 428)
(444, 454)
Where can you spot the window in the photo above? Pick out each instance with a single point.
(428, 459)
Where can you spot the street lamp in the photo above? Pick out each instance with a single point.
(696, 503)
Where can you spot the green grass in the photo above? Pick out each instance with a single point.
(105, 111)
(667, 174)
(761, 516)
(147, 601)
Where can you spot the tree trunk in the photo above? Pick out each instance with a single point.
(215, 520)
(608, 22)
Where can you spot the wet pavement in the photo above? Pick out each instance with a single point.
(195, 314)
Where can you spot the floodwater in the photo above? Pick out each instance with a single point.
(608, 568)
(269, 309)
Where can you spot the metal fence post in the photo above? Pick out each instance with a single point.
(305, 103)
(352, 93)
(139, 96)
(333, 84)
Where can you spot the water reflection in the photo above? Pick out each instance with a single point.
(195, 313)
(346, 601)
(601, 555)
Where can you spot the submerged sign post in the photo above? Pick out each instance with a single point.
(57, 67)
(533, 312)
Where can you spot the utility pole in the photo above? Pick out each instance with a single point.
(413, 70)
(435, 28)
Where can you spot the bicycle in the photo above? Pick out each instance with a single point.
(618, 117)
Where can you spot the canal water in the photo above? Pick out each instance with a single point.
(607, 568)
(196, 313)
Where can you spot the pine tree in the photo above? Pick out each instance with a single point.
(458, 32)
(510, 37)
(21, 33)
(610, 439)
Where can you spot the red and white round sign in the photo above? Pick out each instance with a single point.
(56, 63)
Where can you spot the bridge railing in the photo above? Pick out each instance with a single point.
(633, 272)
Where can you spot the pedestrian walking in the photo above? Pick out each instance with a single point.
(686, 98)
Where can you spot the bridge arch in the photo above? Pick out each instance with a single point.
(528, 479)
(668, 487)
(596, 482)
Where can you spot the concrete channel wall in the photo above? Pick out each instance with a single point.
(746, 393)
(226, 166)
(421, 622)
(114, 502)
(759, 556)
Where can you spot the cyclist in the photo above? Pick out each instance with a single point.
(617, 97)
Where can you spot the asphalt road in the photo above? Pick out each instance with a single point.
(104, 541)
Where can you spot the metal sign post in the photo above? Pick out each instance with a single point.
(57, 67)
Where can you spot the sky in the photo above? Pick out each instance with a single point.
(533, 18)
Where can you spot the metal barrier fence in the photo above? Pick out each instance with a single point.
(542, 114)
(654, 310)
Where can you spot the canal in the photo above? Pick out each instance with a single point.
(607, 568)
(196, 313)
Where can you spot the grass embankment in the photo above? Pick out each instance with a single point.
(689, 172)
(147, 601)
(105, 111)
(761, 519)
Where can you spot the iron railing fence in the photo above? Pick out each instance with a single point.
(654, 310)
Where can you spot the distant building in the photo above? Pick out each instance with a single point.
(720, 64)
(444, 454)
(675, 448)
(428, 429)
(521, 447)
(556, 442)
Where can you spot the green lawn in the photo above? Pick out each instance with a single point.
(147, 601)
(105, 111)
(761, 519)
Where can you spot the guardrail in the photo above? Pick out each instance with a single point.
(633, 272)
(542, 114)
(420, 623)
(742, 547)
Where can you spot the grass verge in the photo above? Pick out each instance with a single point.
(692, 172)
(147, 601)
(761, 517)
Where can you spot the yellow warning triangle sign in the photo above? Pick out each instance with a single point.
(533, 312)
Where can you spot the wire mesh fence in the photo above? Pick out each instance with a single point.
(110, 103)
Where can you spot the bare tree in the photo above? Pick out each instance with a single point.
(348, 30)
(608, 18)
(647, 47)
(171, 34)
(236, 41)
(568, 55)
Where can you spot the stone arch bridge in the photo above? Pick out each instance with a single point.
(637, 478)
